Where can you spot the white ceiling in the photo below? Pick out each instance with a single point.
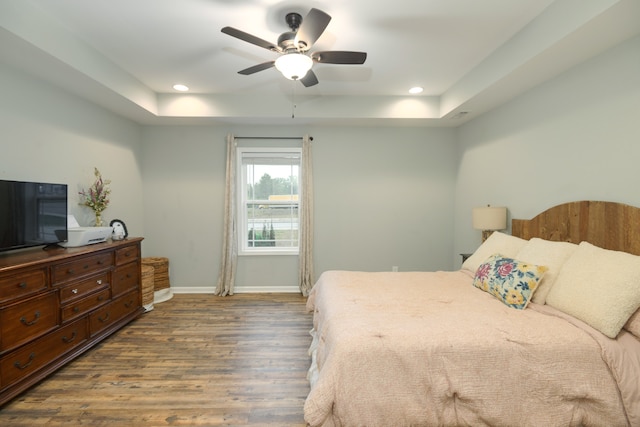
(469, 55)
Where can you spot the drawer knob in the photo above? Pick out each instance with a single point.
(70, 271)
(68, 340)
(129, 304)
(99, 282)
(104, 319)
(19, 365)
(22, 285)
(101, 298)
(76, 309)
(100, 262)
(30, 323)
(74, 291)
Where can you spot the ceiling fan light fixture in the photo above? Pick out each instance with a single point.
(294, 66)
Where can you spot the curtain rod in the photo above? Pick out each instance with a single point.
(271, 137)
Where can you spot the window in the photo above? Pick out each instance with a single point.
(268, 200)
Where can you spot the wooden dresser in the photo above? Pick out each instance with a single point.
(57, 303)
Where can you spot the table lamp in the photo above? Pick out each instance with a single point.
(489, 219)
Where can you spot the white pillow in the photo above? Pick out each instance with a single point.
(497, 243)
(550, 254)
(598, 286)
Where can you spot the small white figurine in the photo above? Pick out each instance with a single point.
(119, 230)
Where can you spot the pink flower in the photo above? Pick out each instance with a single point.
(483, 271)
(505, 269)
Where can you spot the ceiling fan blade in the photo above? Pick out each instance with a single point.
(309, 79)
(312, 27)
(250, 38)
(339, 57)
(256, 68)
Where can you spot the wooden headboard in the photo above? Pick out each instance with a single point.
(608, 225)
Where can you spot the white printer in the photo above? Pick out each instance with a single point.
(82, 236)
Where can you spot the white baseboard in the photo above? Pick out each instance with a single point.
(239, 290)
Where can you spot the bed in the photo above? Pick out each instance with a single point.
(540, 327)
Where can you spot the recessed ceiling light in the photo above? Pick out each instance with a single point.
(180, 88)
(415, 90)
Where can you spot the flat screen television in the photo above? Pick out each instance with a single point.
(32, 214)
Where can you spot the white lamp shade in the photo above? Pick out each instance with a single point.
(489, 218)
(294, 66)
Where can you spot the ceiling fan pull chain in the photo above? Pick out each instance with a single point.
(293, 99)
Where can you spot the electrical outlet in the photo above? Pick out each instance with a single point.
(394, 268)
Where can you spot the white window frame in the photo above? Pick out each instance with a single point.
(241, 196)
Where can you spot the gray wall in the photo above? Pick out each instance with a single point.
(576, 137)
(383, 198)
(52, 136)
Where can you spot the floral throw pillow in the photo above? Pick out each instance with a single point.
(511, 281)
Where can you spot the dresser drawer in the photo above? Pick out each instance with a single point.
(41, 352)
(127, 254)
(124, 279)
(83, 288)
(22, 322)
(114, 311)
(22, 284)
(81, 267)
(85, 304)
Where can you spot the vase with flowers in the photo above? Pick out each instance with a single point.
(97, 196)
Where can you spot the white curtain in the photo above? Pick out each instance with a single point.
(305, 264)
(226, 278)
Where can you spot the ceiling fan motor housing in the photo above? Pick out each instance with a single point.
(286, 41)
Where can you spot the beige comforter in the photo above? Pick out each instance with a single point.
(423, 349)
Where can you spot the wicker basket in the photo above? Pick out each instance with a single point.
(147, 286)
(160, 273)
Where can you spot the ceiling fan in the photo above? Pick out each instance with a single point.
(294, 61)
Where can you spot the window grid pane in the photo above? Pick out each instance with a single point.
(272, 225)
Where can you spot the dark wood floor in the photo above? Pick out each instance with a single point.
(195, 360)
